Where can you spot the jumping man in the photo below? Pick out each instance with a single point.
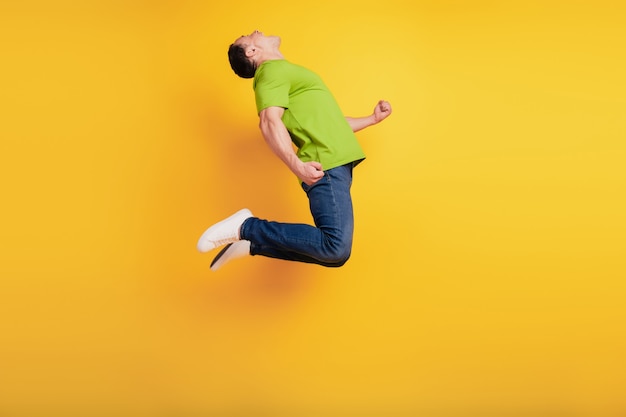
(296, 108)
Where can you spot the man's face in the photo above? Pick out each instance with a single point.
(258, 39)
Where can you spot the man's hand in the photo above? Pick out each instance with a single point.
(310, 172)
(381, 111)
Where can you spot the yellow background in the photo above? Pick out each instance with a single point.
(487, 276)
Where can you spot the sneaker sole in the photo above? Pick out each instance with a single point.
(220, 254)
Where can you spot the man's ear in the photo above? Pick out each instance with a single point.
(250, 51)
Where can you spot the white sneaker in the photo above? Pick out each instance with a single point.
(232, 251)
(224, 232)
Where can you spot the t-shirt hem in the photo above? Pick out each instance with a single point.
(354, 162)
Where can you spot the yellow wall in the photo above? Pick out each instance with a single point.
(488, 269)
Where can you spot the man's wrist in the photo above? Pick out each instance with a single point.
(297, 166)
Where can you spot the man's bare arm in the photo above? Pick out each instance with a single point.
(277, 137)
(380, 113)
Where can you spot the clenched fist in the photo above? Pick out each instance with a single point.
(382, 111)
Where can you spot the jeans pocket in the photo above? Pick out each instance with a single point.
(322, 180)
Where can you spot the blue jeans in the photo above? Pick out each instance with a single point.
(328, 243)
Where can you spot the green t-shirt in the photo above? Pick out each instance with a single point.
(313, 118)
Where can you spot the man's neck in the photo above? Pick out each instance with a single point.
(270, 56)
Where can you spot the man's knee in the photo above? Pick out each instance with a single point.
(338, 254)
(340, 261)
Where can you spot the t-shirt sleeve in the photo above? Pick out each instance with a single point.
(271, 90)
